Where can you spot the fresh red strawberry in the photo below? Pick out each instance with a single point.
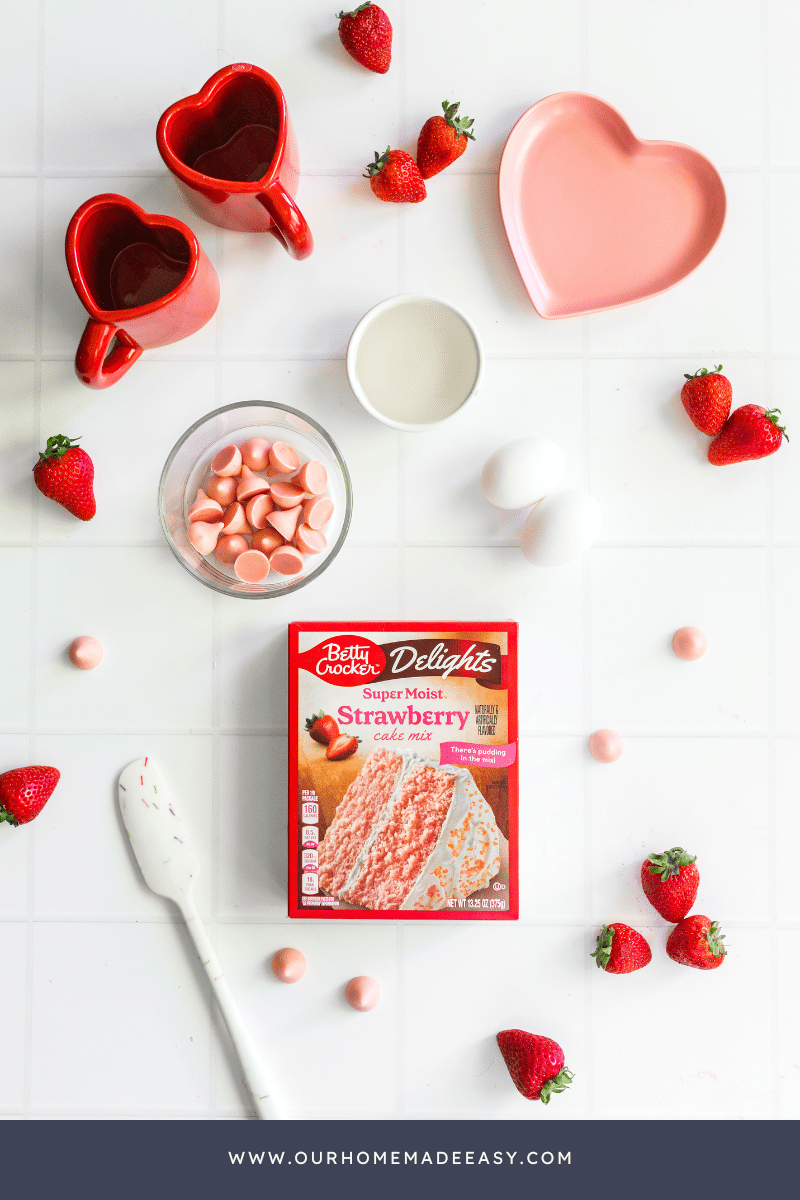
(322, 729)
(442, 140)
(750, 432)
(670, 881)
(25, 791)
(535, 1063)
(394, 176)
(366, 34)
(697, 942)
(342, 747)
(65, 473)
(621, 949)
(707, 396)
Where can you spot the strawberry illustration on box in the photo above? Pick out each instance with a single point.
(404, 744)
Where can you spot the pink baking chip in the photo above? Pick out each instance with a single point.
(203, 535)
(286, 495)
(310, 541)
(228, 461)
(312, 478)
(285, 521)
(250, 485)
(257, 510)
(255, 453)
(266, 540)
(222, 490)
(317, 511)
(204, 509)
(234, 520)
(283, 460)
(251, 566)
(286, 560)
(229, 548)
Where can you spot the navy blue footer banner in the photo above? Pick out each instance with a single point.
(148, 1160)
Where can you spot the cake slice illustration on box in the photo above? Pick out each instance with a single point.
(409, 833)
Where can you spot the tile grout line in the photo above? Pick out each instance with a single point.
(588, 898)
(37, 415)
(772, 800)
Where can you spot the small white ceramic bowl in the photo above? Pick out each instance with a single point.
(414, 362)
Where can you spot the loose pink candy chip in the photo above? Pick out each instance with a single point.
(251, 566)
(250, 485)
(362, 993)
(228, 461)
(605, 745)
(255, 453)
(285, 521)
(257, 511)
(689, 643)
(283, 460)
(229, 548)
(221, 490)
(85, 653)
(234, 520)
(288, 965)
(312, 478)
(317, 511)
(203, 536)
(310, 541)
(286, 560)
(286, 495)
(204, 509)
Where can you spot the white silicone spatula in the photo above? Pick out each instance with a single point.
(164, 851)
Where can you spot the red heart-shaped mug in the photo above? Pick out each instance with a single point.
(233, 152)
(142, 277)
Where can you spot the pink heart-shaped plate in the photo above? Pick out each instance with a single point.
(597, 218)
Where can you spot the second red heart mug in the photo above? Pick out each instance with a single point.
(233, 152)
(142, 277)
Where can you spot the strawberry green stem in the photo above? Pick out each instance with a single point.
(603, 952)
(460, 124)
(670, 862)
(559, 1083)
(704, 371)
(715, 940)
(57, 446)
(380, 162)
(360, 8)
(7, 816)
(772, 415)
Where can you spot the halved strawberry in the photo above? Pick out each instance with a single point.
(323, 729)
(342, 747)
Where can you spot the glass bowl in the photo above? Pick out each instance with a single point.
(188, 467)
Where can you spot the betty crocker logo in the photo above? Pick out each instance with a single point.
(347, 660)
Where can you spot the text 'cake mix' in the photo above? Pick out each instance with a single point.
(403, 770)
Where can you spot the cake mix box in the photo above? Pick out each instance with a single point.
(403, 770)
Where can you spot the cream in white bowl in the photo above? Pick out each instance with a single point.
(414, 361)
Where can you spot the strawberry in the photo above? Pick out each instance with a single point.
(670, 881)
(394, 176)
(65, 473)
(366, 34)
(697, 942)
(25, 791)
(707, 396)
(322, 729)
(749, 432)
(442, 140)
(342, 747)
(535, 1063)
(621, 949)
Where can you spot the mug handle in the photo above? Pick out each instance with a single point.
(291, 227)
(91, 364)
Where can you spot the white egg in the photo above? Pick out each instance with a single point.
(522, 472)
(561, 528)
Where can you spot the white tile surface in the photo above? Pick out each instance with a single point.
(711, 757)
